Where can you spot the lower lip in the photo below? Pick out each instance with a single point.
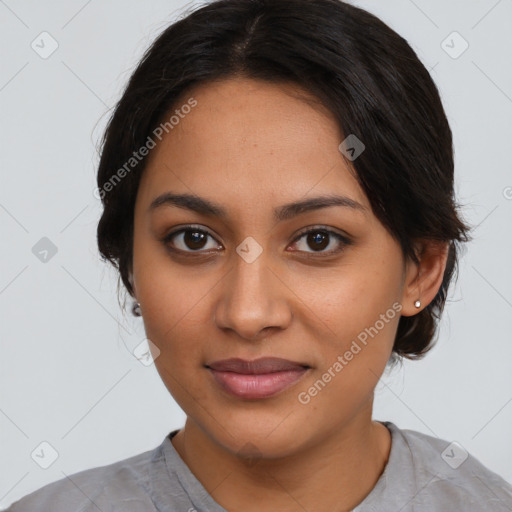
(252, 387)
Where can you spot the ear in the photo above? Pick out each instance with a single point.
(422, 281)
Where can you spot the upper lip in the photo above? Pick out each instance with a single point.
(256, 366)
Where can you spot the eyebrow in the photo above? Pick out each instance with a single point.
(285, 212)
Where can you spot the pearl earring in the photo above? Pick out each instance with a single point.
(136, 311)
(417, 303)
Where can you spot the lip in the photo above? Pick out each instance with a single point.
(256, 379)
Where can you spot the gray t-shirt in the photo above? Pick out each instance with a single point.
(423, 474)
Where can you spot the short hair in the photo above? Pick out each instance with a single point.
(360, 69)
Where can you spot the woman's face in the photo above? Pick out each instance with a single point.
(247, 283)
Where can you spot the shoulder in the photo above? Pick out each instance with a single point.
(123, 483)
(443, 472)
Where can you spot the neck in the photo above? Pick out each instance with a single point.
(336, 473)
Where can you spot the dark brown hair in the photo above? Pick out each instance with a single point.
(358, 67)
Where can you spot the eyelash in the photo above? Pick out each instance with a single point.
(314, 254)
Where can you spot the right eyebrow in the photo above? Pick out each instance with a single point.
(189, 202)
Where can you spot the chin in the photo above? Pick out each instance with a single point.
(259, 435)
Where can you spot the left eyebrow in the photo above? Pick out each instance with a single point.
(315, 203)
(285, 212)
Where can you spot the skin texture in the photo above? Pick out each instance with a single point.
(251, 147)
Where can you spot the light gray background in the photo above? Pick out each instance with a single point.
(67, 376)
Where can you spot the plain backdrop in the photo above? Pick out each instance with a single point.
(67, 374)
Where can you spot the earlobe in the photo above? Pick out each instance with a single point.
(423, 280)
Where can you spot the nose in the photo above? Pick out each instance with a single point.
(253, 300)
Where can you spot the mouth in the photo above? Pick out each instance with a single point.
(256, 379)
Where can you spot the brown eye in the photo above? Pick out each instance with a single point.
(194, 239)
(317, 240)
(190, 240)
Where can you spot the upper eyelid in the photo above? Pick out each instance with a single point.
(189, 227)
(319, 227)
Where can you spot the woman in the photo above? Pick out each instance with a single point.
(277, 183)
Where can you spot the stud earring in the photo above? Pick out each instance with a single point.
(417, 304)
(136, 311)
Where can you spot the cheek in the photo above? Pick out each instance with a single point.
(175, 322)
(168, 315)
(170, 294)
(174, 316)
(353, 360)
(359, 306)
(349, 299)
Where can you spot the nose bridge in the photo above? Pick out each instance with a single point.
(251, 299)
(250, 278)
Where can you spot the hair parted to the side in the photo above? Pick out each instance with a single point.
(359, 68)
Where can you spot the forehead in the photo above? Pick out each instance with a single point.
(249, 141)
